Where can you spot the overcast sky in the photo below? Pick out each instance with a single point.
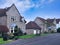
(31, 9)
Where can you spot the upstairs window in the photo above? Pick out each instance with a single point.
(13, 18)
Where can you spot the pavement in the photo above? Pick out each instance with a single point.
(50, 39)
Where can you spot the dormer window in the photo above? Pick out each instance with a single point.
(23, 20)
(59, 22)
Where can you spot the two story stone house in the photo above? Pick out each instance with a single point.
(47, 24)
(52, 24)
(11, 17)
(41, 23)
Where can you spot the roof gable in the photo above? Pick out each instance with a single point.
(40, 19)
(51, 20)
(32, 25)
(3, 11)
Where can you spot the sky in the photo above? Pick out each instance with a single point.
(30, 9)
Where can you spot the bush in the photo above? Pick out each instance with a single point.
(45, 32)
(5, 37)
(16, 37)
(20, 33)
(58, 30)
(25, 33)
(0, 35)
(11, 36)
(17, 31)
(52, 31)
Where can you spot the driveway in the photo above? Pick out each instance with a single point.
(51, 39)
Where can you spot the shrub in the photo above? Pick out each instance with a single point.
(11, 36)
(45, 32)
(16, 30)
(58, 30)
(25, 33)
(52, 31)
(20, 33)
(5, 37)
(16, 37)
(0, 35)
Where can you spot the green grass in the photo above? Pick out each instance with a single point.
(26, 36)
(30, 36)
(43, 34)
(4, 42)
(21, 37)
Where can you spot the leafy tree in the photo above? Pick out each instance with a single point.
(20, 32)
(17, 31)
(58, 30)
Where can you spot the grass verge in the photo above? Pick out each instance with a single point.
(43, 34)
(30, 36)
(4, 42)
(26, 36)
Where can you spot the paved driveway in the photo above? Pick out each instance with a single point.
(51, 39)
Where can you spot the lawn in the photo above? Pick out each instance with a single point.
(30, 36)
(21, 37)
(4, 42)
(26, 36)
(44, 34)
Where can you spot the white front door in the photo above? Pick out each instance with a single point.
(38, 32)
(34, 31)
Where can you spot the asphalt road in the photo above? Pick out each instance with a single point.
(51, 39)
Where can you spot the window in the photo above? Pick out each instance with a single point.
(13, 18)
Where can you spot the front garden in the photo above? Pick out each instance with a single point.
(7, 38)
(20, 37)
(4, 42)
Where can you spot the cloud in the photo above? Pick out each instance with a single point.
(24, 5)
(50, 1)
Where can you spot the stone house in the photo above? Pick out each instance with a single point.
(41, 23)
(52, 24)
(32, 28)
(58, 25)
(11, 17)
(47, 24)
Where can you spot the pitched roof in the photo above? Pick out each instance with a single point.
(40, 19)
(21, 19)
(48, 20)
(3, 11)
(32, 25)
(51, 20)
(57, 20)
(3, 28)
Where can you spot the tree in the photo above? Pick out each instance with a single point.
(20, 32)
(58, 30)
(17, 31)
